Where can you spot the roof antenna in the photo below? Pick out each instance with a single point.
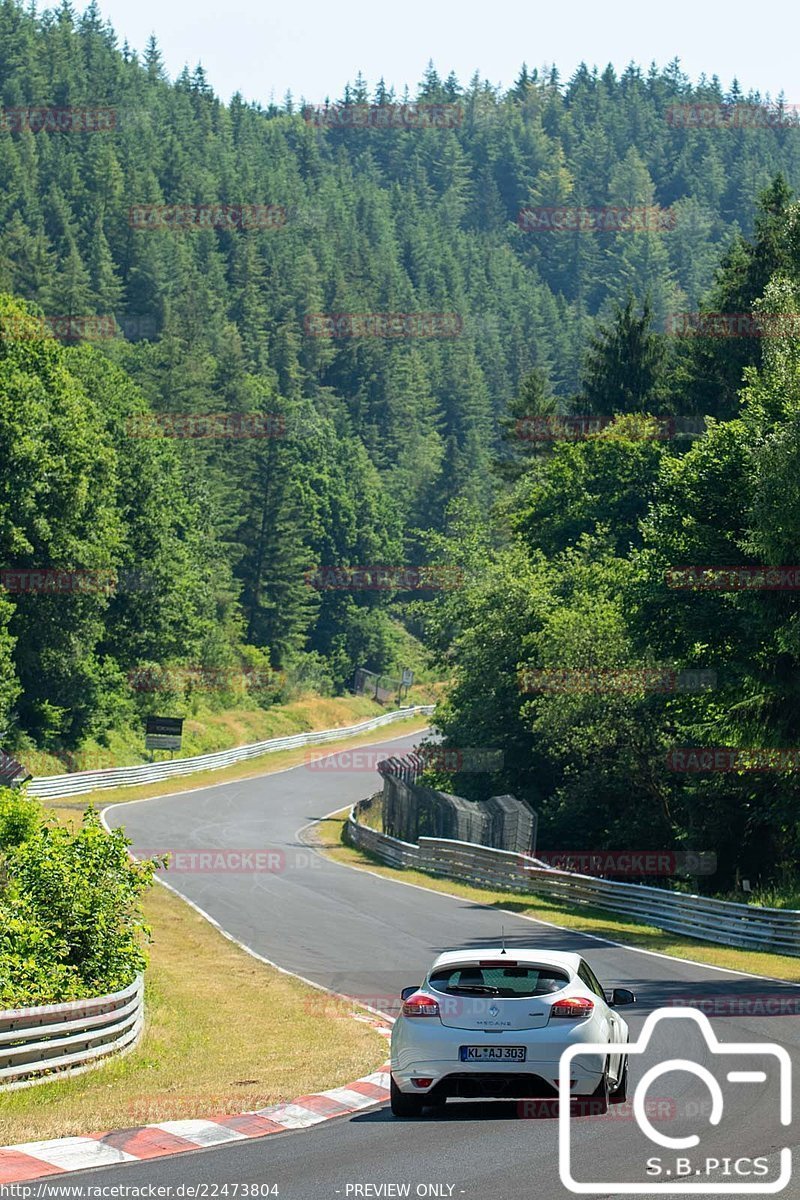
(503, 938)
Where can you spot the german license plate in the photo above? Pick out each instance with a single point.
(492, 1053)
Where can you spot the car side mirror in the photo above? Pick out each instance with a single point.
(408, 991)
(621, 996)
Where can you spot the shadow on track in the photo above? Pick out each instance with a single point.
(458, 1110)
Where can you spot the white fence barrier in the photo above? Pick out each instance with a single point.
(78, 782)
(37, 1043)
(721, 921)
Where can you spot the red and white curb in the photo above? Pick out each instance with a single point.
(33, 1160)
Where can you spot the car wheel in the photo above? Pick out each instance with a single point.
(402, 1104)
(600, 1097)
(620, 1092)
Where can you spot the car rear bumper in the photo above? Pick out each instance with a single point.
(488, 1085)
(534, 1078)
(431, 1051)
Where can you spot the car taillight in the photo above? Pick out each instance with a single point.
(574, 1009)
(420, 1005)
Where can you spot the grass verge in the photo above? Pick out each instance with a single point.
(205, 997)
(265, 764)
(224, 1034)
(208, 730)
(328, 836)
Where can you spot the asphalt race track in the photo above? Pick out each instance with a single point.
(367, 937)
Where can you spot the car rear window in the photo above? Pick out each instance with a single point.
(499, 981)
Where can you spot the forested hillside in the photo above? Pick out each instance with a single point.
(629, 631)
(382, 434)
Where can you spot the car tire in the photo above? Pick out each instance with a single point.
(403, 1105)
(620, 1093)
(600, 1097)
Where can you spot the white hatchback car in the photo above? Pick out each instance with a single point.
(494, 1023)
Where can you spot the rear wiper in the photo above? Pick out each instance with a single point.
(483, 989)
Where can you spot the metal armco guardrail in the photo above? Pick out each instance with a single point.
(68, 1038)
(78, 782)
(722, 921)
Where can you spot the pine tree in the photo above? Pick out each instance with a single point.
(715, 366)
(624, 367)
(525, 429)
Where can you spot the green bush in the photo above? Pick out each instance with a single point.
(32, 967)
(71, 924)
(19, 818)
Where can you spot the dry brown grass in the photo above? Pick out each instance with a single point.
(210, 730)
(225, 1034)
